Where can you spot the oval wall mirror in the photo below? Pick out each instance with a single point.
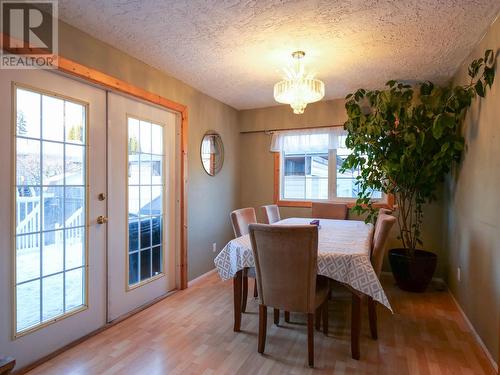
(212, 153)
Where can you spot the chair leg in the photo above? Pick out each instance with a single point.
(310, 339)
(276, 316)
(244, 295)
(262, 328)
(287, 316)
(317, 317)
(237, 301)
(372, 314)
(255, 293)
(324, 313)
(355, 325)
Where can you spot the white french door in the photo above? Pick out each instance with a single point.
(141, 204)
(88, 209)
(53, 252)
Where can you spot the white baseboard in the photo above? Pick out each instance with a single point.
(200, 278)
(478, 338)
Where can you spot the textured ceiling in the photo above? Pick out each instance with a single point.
(234, 50)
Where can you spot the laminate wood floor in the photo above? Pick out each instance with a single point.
(191, 332)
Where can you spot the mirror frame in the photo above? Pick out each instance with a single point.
(221, 143)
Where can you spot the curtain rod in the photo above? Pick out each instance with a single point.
(267, 131)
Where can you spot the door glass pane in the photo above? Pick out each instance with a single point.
(145, 264)
(52, 118)
(156, 230)
(28, 257)
(74, 288)
(53, 163)
(27, 162)
(50, 215)
(28, 212)
(74, 247)
(157, 258)
(133, 235)
(28, 113)
(74, 204)
(146, 171)
(133, 201)
(133, 169)
(75, 156)
(145, 233)
(28, 304)
(52, 252)
(156, 200)
(145, 200)
(74, 122)
(157, 139)
(53, 207)
(145, 137)
(52, 292)
(133, 270)
(156, 170)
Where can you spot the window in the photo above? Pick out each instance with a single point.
(50, 208)
(305, 176)
(308, 167)
(145, 201)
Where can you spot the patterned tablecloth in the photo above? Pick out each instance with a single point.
(343, 255)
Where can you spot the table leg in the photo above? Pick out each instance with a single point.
(237, 284)
(355, 325)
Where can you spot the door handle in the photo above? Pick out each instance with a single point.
(102, 219)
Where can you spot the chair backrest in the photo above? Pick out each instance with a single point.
(378, 227)
(286, 259)
(382, 228)
(241, 219)
(271, 213)
(329, 210)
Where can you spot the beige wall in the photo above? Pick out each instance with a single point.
(210, 199)
(257, 165)
(473, 207)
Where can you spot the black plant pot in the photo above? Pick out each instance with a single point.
(412, 273)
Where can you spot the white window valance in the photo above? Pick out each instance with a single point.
(307, 140)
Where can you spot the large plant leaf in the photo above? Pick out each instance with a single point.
(479, 88)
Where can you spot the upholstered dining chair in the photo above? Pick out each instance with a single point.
(383, 226)
(271, 213)
(240, 220)
(322, 210)
(286, 259)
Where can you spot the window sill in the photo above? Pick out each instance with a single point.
(389, 204)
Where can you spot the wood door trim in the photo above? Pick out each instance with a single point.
(117, 85)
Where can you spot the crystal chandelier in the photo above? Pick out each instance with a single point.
(298, 88)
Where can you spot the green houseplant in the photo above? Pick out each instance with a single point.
(404, 140)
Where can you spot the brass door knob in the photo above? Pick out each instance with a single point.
(102, 219)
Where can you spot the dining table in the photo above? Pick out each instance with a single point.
(344, 250)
